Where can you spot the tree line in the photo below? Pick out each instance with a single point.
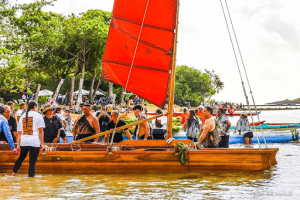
(64, 52)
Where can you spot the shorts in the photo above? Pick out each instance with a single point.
(248, 135)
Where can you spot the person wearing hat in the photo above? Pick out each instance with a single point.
(115, 123)
(201, 114)
(142, 130)
(86, 125)
(243, 126)
(52, 133)
(159, 126)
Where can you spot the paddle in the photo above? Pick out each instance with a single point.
(117, 129)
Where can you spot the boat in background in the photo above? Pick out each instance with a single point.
(178, 114)
(271, 136)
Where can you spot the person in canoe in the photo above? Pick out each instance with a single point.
(141, 131)
(115, 123)
(225, 126)
(86, 125)
(200, 113)
(209, 135)
(159, 126)
(52, 133)
(193, 126)
(184, 117)
(243, 126)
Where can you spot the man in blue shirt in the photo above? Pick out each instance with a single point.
(5, 132)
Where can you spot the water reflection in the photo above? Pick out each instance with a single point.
(277, 183)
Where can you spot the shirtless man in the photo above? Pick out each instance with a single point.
(208, 128)
(142, 130)
(86, 125)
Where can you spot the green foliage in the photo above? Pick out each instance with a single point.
(176, 122)
(130, 121)
(43, 99)
(195, 86)
(44, 47)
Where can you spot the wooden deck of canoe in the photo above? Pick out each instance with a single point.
(140, 157)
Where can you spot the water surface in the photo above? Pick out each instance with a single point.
(280, 182)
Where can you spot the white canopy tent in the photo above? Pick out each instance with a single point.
(45, 92)
(86, 92)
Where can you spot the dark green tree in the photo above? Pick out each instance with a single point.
(195, 86)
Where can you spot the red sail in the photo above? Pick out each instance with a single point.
(148, 57)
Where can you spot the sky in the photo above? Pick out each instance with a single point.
(268, 33)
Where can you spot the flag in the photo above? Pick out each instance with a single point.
(52, 102)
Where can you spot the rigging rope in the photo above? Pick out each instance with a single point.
(133, 58)
(236, 59)
(242, 60)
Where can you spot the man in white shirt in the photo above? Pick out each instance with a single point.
(159, 126)
(21, 111)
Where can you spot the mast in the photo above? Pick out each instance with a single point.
(172, 79)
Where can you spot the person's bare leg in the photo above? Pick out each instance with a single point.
(246, 140)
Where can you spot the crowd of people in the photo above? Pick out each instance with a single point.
(30, 127)
(200, 126)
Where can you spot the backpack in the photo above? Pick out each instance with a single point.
(207, 142)
(193, 130)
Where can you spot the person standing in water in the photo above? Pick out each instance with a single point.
(31, 137)
(243, 126)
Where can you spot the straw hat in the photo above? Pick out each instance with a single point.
(244, 115)
(46, 108)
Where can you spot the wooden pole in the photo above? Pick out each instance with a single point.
(92, 86)
(117, 129)
(172, 80)
(37, 93)
(72, 91)
(58, 89)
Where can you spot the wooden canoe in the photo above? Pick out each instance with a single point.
(257, 123)
(140, 157)
(178, 114)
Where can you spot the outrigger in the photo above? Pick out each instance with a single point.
(141, 57)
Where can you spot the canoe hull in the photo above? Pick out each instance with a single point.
(145, 160)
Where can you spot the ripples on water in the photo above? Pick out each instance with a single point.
(280, 182)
